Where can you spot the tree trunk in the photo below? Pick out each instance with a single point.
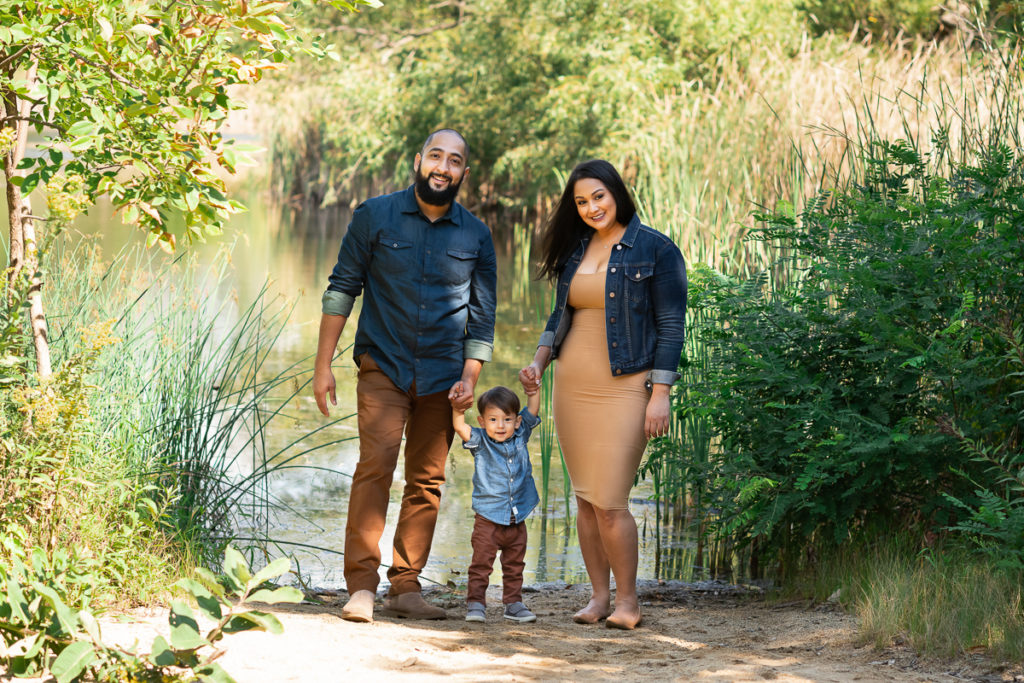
(11, 158)
(24, 253)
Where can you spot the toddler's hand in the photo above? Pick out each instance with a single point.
(456, 392)
(461, 395)
(530, 378)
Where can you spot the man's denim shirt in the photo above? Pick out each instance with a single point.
(645, 304)
(428, 289)
(503, 487)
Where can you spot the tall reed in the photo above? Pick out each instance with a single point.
(190, 394)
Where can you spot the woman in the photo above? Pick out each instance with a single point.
(617, 331)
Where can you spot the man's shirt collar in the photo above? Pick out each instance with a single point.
(410, 205)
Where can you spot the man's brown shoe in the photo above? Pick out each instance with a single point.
(359, 607)
(412, 606)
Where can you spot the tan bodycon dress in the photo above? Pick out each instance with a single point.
(599, 418)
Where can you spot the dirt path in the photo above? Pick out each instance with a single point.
(690, 633)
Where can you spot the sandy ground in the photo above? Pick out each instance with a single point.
(690, 632)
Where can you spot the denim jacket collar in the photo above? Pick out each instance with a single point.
(632, 229)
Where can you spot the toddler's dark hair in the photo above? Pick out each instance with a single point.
(502, 398)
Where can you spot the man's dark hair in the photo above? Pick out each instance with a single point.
(454, 132)
(565, 228)
(502, 398)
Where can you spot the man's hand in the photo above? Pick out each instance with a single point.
(530, 378)
(461, 395)
(324, 386)
(331, 327)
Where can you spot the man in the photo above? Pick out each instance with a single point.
(427, 271)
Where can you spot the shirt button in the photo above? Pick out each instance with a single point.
(612, 320)
(613, 270)
(618, 371)
(612, 295)
(638, 276)
(395, 244)
(615, 345)
(618, 246)
(423, 305)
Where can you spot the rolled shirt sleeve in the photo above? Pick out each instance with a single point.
(337, 303)
(477, 350)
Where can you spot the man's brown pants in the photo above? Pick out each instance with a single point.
(385, 412)
(488, 539)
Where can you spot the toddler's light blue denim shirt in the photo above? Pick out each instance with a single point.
(503, 487)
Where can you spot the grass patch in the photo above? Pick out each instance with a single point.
(942, 601)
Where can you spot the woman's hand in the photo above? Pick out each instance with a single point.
(658, 411)
(530, 377)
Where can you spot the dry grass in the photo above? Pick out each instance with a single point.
(778, 127)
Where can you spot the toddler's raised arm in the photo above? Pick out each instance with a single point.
(459, 422)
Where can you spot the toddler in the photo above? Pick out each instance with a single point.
(503, 496)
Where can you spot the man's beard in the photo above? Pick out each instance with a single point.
(436, 197)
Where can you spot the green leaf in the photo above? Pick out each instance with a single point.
(192, 199)
(90, 625)
(185, 637)
(28, 183)
(259, 621)
(106, 30)
(80, 128)
(207, 603)
(161, 654)
(145, 29)
(214, 672)
(181, 613)
(210, 581)
(236, 568)
(72, 661)
(80, 143)
(282, 594)
(68, 620)
(16, 599)
(273, 570)
(19, 32)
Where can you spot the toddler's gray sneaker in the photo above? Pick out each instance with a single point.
(517, 611)
(475, 611)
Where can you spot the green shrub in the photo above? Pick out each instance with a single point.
(875, 17)
(832, 394)
(911, 18)
(46, 625)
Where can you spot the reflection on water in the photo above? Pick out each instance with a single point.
(297, 251)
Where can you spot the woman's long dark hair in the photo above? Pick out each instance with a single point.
(565, 228)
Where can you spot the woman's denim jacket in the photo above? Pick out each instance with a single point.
(645, 304)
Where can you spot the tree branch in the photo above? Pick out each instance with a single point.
(102, 67)
(10, 58)
(29, 119)
(385, 39)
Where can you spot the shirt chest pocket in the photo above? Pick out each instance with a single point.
(455, 266)
(393, 254)
(637, 277)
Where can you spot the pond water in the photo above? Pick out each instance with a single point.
(296, 251)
